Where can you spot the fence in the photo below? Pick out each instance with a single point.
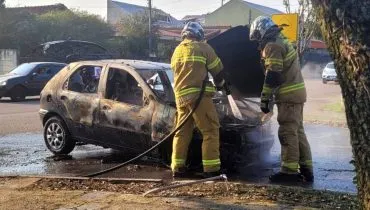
(8, 60)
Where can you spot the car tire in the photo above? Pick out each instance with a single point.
(324, 81)
(57, 137)
(18, 93)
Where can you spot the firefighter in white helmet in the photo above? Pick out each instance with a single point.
(284, 81)
(191, 61)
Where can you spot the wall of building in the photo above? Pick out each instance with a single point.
(233, 13)
(8, 60)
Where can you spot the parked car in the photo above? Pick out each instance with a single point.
(27, 79)
(67, 51)
(329, 74)
(120, 110)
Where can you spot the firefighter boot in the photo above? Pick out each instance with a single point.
(182, 172)
(286, 178)
(307, 174)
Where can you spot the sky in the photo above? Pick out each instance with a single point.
(177, 8)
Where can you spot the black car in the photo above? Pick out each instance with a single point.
(117, 104)
(67, 51)
(28, 79)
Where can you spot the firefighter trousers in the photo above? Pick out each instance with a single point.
(295, 149)
(206, 119)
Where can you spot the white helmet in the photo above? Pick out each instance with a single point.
(259, 27)
(193, 30)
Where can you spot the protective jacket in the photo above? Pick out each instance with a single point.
(191, 62)
(283, 75)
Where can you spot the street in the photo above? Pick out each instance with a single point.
(23, 152)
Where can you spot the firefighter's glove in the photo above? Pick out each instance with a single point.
(265, 106)
(220, 84)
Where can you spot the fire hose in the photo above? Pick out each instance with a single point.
(196, 104)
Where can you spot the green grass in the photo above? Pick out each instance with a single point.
(334, 107)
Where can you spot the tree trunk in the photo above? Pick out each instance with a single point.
(345, 25)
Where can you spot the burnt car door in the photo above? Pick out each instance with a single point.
(129, 110)
(80, 101)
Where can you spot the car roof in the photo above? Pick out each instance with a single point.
(56, 63)
(136, 64)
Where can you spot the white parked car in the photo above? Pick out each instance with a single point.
(329, 73)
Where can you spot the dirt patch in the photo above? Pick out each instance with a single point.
(220, 191)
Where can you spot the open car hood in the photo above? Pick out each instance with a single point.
(241, 59)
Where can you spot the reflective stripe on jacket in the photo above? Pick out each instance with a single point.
(280, 56)
(191, 62)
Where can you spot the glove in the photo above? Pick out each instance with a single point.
(265, 106)
(220, 85)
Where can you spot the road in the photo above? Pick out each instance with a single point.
(19, 117)
(22, 150)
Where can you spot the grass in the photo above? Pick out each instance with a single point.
(334, 107)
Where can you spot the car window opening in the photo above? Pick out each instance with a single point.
(160, 82)
(85, 79)
(123, 87)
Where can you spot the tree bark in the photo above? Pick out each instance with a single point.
(345, 25)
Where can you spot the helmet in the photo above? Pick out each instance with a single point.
(259, 27)
(193, 30)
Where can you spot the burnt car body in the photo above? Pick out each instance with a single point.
(67, 51)
(127, 110)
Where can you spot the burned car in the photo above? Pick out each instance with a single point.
(129, 105)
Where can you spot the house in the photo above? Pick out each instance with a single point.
(38, 10)
(238, 12)
(116, 10)
(195, 18)
(175, 33)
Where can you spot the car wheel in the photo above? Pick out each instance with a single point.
(18, 93)
(57, 137)
(324, 81)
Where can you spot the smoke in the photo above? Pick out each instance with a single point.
(312, 70)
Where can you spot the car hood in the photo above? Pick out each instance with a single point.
(241, 59)
(9, 76)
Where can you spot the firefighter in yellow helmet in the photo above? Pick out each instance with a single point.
(284, 81)
(191, 61)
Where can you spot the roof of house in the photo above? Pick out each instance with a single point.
(190, 17)
(263, 9)
(317, 44)
(175, 33)
(39, 10)
(132, 8)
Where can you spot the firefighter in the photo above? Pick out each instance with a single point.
(191, 61)
(284, 82)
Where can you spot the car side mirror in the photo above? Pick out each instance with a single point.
(34, 74)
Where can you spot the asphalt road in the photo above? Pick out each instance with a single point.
(19, 117)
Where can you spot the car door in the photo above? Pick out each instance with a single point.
(80, 101)
(38, 78)
(127, 109)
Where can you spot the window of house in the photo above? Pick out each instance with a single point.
(84, 80)
(123, 87)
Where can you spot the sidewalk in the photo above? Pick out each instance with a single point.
(41, 193)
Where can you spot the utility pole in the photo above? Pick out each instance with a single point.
(222, 2)
(150, 27)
